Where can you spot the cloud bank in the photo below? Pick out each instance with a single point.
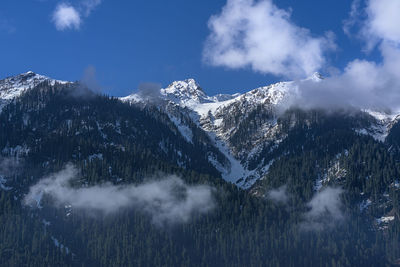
(257, 34)
(167, 201)
(68, 17)
(383, 22)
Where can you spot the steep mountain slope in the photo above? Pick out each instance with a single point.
(244, 126)
(243, 130)
(321, 186)
(49, 114)
(13, 87)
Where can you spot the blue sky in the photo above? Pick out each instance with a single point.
(129, 42)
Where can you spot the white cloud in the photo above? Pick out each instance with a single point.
(89, 5)
(325, 210)
(10, 165)
(383, 21)
(90, 81)
(363, 83)
(66, 17)
(166, 201)
(259, 35)
(353, 19)
(150, 91)
(278, 195)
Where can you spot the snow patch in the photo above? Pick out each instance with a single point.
(13, 87)
(385, 219)
(38, 198)
(17, 151)
(98, 156)
(185, 131)
(59, 245)
(365, 204)
(3, 182)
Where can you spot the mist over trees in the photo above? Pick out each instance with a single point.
(283, 220)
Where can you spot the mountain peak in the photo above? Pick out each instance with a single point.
(14, 86)
(186, 90)
(186, 85)
(316, 76)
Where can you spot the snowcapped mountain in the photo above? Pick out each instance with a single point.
(221, 117)
(216, 115)
(244, 126)
(286, 158)
(13, 87)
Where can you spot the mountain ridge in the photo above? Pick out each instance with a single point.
(221, 117)
(267, 168)
(14, 86)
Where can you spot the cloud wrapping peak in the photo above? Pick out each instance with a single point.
(167, 201)
(363, 83)
(66, 17)
(259, 35)
(150, 91)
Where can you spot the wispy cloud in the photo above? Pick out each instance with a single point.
(354, 18)
(67, 16)
(89, 5)
(10, 165)
(89, 80)
(258, 34)
(324, 210)
(278, 195)
(150, 91)
(167, 201)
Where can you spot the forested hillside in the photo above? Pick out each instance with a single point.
(329, 198)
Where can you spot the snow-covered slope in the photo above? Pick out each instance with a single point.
(240, 126)
(226, 117)
(220, 116)
(13, 87)
(384, 122)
